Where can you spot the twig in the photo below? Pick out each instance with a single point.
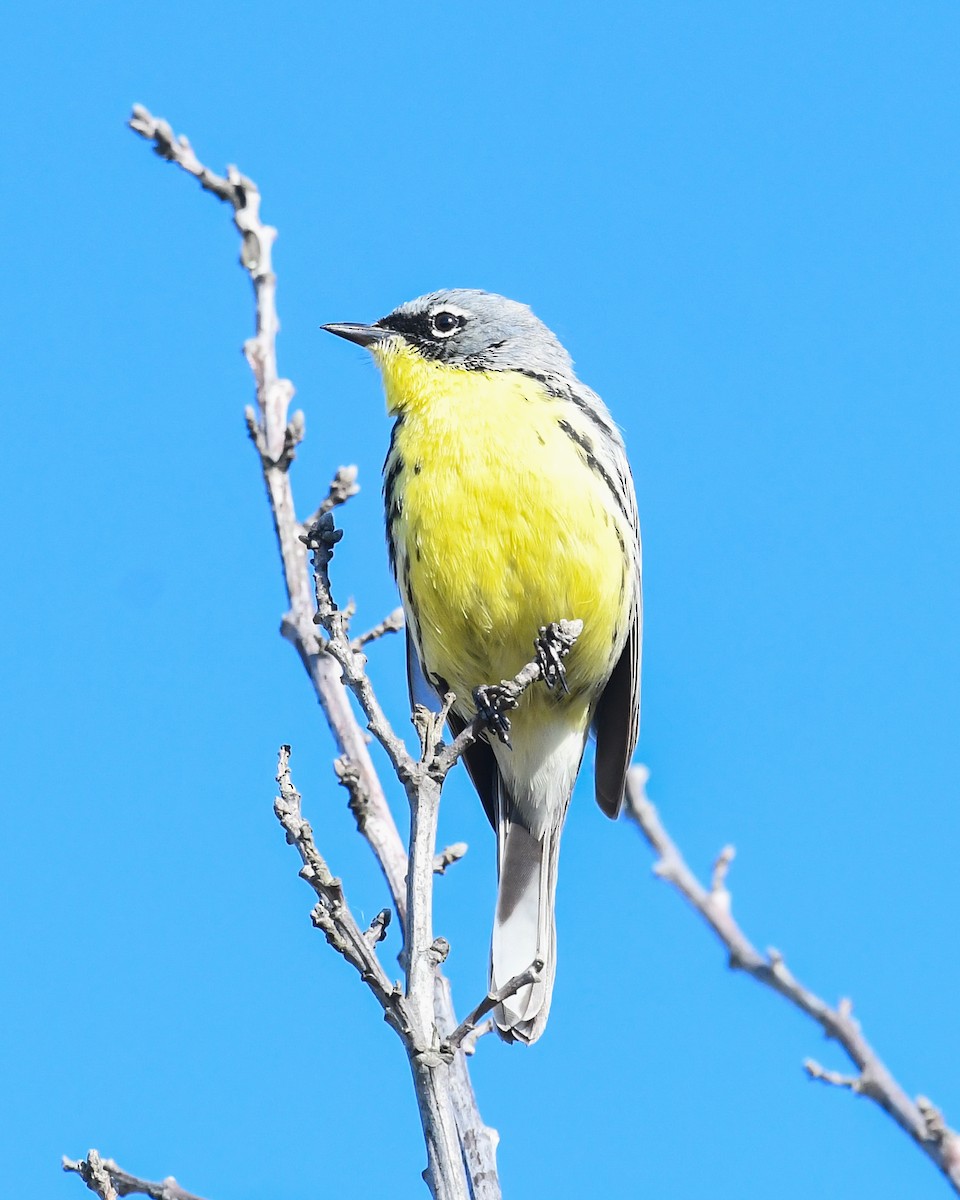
(469, 1043)
(834, 1078)
(103, 1176)
(490, 1001)
(391, 623)
(874, 1080)
(448, 856)
(405, 1009)
(320, 539)
(422, 780)
(378, 927)
(342, 487)
(332, 915)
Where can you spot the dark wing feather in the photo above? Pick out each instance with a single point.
(419, 688)
(617, 716)
(479, 760)
(481, 764)
(617, 721)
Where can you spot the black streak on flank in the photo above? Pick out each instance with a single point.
(393, 468)
(585, 444)
(393, 516)
(586, 449)
(560, 389)
(394, 471)
(410, 608)
(408, 598)
(589, 411)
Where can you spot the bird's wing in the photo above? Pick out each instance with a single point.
(479, 759)
(616, 721)
(481, 766)
(419, 687)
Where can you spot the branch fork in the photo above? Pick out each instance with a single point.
(469, 1024)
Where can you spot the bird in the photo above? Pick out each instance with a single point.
(509, 505)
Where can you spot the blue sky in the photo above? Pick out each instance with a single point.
(742, 219)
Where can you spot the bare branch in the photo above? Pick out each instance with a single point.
(448, 856)
(834, 1078)
(718, 881)
(321, 538)
(275, 439)
(178, 150)
(332, 915)
(342, 487)
(490, 1001)
(412, 1011)
(874, 1079)
(377, 930)
(103, 1176)
(469, 1043)
(391, 623)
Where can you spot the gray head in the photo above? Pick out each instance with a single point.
(468, 328)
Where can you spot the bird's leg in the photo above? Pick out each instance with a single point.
(553, 645)
(494, 701)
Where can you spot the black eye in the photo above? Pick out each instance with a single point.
(444, 323)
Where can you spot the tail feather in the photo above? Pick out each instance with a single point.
(524, 926)
(534, 782)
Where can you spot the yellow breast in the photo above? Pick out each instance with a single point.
(499, 524)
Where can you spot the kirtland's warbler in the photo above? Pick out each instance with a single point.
(510, 505)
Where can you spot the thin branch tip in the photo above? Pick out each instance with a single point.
(109, 1181)
(873, 1078)
(393, 622)
(448, 856)
(467, 1026)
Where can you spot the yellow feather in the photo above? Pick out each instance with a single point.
(502, 527)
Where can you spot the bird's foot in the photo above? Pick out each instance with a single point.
(494, 701)
(553, 644)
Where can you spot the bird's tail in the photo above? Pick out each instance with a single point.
(524, 928)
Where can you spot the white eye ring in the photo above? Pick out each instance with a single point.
(446, 329)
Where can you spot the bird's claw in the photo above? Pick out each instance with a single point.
(493, 702)
(553, 645)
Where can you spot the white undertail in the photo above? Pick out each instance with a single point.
(532, 805)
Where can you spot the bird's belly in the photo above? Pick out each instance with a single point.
(497, 534)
